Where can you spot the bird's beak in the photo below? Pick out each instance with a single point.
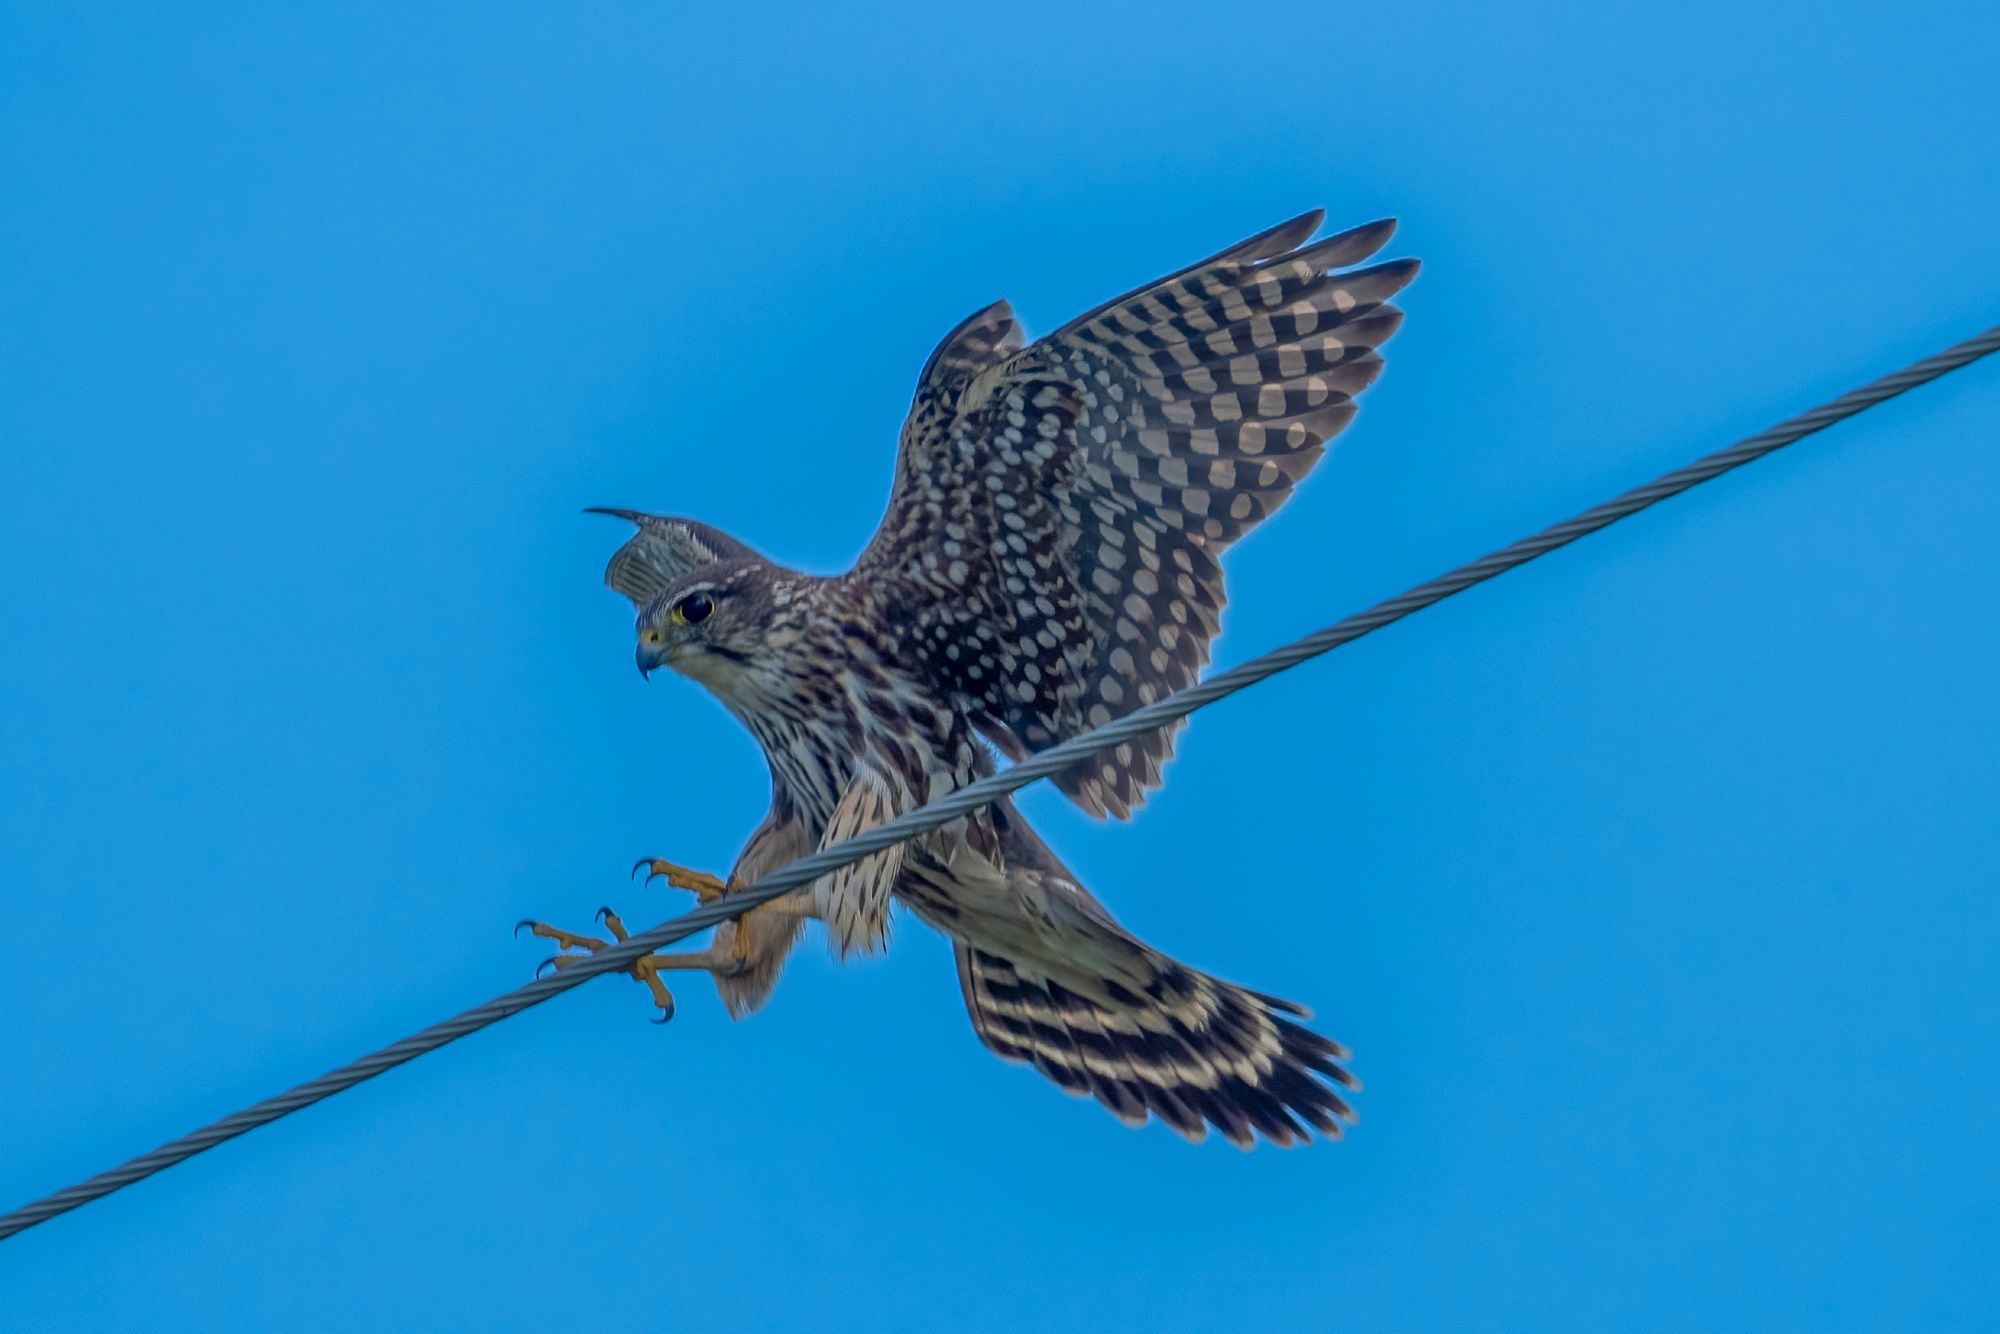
(648, 659)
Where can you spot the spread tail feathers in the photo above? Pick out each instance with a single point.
(1193, 1050)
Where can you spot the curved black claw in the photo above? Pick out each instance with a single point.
(602, 913)
(545, 965)
(528, 923)
(666, 1015)
(643, 861)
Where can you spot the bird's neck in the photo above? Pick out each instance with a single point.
(794, 696)
(830, 688)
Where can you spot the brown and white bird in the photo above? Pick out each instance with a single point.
(1048, 563)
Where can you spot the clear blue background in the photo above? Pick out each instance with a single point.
(1654, 885)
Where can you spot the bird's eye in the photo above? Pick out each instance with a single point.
(694, 608)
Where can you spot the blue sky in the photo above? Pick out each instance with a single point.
(1653, 886)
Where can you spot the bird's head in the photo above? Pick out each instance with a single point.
(710, 607)
(718, 624)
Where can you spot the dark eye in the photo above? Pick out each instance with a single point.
(694, 608)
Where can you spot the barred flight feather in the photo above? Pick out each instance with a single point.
(1052, 543)
(1197, 1052)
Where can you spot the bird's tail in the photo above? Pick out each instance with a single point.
(1193, 1050)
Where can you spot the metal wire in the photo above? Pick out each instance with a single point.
(620, 956)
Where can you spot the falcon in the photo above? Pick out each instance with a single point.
(1048, 563)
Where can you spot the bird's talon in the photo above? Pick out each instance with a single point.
(527, 922)
(701, 884)
(646, 969)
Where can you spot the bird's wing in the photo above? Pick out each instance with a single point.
(1052, 980)
(664, 549)
(1051, 543)
(854, 900)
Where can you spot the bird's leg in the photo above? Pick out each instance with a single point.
(644, 969)
(699, 883)
(647, 969)
(705, 887)
(565, 940)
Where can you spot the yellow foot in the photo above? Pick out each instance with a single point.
(699, 883)
(646, 970)
(705, 887)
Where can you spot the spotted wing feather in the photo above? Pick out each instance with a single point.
(1052, 542)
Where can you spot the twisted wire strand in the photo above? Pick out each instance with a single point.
(620, 956)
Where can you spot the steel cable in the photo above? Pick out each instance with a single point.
(620, 956)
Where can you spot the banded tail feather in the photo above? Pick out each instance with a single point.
(1194, 1051)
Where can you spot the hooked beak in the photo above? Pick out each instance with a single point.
(649, 658)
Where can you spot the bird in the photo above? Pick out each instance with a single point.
(1048, 562)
